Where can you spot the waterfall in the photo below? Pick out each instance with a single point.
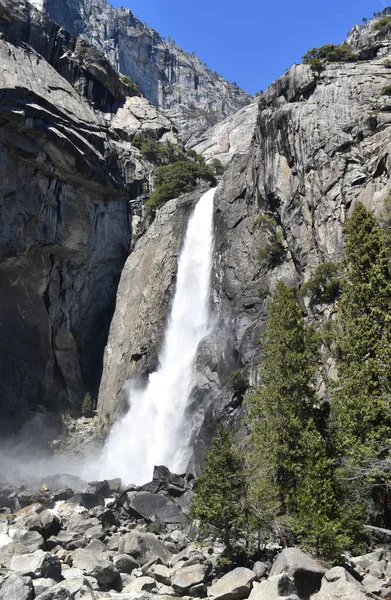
(154, 431)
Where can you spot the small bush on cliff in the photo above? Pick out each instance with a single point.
(383, 24)
(160, 154)
(221, 489)
(330, 53)
(386, 90)
(131, 85)
(86, 407)
(217, 166)
(323, 285)
(272, 250)
(238, 383)
(173, 180)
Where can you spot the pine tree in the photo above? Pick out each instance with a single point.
(361, 398)
(291, 470)
(221, 489)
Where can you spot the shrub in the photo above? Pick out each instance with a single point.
(383, 24)
(86, 407)
(82, 53)
(4, 18)
(162, 154)
(129, 83)
(238, 383)
(387, 63)
(323, 285)
(272, 251)
(217, 166)
(386, 90)
(331, 53)
(316, 64)
(173, 180)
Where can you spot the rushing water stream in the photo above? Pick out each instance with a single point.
(155, 431)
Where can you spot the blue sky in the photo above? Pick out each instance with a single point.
(252, 41)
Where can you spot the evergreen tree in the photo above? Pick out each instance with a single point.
(291, 470)
(361, 398)
(221, 489)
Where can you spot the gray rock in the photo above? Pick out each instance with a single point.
(38, 564)
(45, 523)
(41, 585)
(275, 587)
(144, 547)
(141, 584)
(30, 540)
(95, 564)
(154, 506)
(125, 563)
(16, 587)
(235, 585)
(338, 584)
(186, 577)
(160, 573)
(87, 500)
(305, 571)
(260, 569)
(99, 488)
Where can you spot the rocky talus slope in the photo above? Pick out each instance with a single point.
(73, 540)
(322, 142)
(175, 81)
(68, 172)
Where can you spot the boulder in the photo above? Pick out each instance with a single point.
(58, 592)
(16, 587)
(154, 506)
(305, 571)
(260, 569)
(338, 584)
(41, 585)
(57, 483)
(273, 588)
(45, 523)
(95, 564)
(161, 573)
(144, 547)
(29, 540)
(99, 488)
(87, 500)
(125, 563)
(187, 577)
(141, 584)
(235, 585)
(36, 565)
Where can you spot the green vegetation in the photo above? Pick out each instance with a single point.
(324, 284)
(386, 90)
(238, 383)
(87, 406)
(4, 18)
(217, 166)
(160, 154)
(329, 53)
(130, 84)
(272, 250)
(361, 399)
(172, 180)
(221, 489)
(83, 53)
(383, 24)
(387, 63)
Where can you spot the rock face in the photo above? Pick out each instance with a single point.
(173, 80)
(228, 138)
(67, 175)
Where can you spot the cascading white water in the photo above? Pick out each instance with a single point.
(153, 432)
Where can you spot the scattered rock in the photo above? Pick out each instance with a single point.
(16, 587)
(305, 571)
(235, 585)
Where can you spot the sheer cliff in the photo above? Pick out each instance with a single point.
(68, 172)
(175, 81)
(321, 142)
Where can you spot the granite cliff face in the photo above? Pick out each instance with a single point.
(322, 142)
(68, 171)
(175, 81)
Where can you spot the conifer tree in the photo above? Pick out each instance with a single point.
(221, 488)
(291, 470)
(361, 398)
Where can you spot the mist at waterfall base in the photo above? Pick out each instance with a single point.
(155, 430)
